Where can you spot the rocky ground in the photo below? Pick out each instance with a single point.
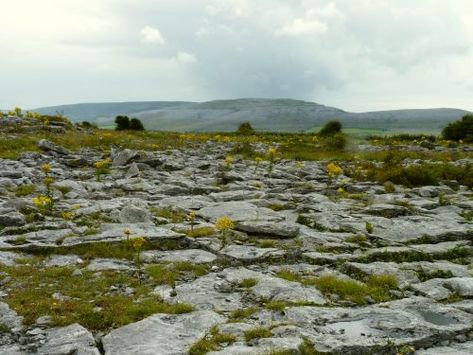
(303, 263)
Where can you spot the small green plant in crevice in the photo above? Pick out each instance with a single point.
(437, 274)
(25, 190)
(169, 214)
(275, 305)
(389, 187)
(376, 286)
(199, 232)
(257, 333)
(248, 283)
(211, 342)
(443, 199)
(288, 275)
(369, 227)
(168, 274)
(271, 157)
(358, 239)
(4, 328)
(239, 314)
(308, 348)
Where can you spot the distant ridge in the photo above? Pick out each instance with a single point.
(264, 114)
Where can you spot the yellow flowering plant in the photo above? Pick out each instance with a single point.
(43, 203)
(191, 217)
(46, 168)
(101, 167)
(271, 155)
(333, 170)
(224, 224)
(228, 162)
(137, 243)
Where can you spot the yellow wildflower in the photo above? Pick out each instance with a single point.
(334, 169)
(41, 201)
(102, 163)
(228, 161)
(46, 168)
(138, 242)
(271, 152)
(48, 180)
(67, 216)
(224, 223)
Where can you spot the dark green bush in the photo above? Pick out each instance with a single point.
(330, 128)
(122, 123)
(459, 130)
(245, 129)
(136, 125)
(421, 174)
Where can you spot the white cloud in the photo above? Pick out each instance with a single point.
(151, 35)
(301, 27)
(186, 58)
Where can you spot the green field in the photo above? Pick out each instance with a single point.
(362, 133)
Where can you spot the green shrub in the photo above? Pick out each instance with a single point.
(122, 123)
(136, 125)
(330, 128)
(245, 129)
(459, 130)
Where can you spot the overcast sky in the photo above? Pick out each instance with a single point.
(357, 55)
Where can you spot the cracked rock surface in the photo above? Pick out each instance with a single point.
(301, 266)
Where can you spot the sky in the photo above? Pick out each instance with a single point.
(358, 55)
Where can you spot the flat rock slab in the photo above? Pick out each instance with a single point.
(73, 339)
(276, 229)
(110, 264)
(273, 288)
(239, 212)
(414, 321)
(9, 317)
(161, 334)
(248, 253)
(116, 233)
(195, 256)
(453, 349)
(9, 258)
(62, 260)
(461, 285)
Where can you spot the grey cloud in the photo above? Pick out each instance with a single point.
(353, 54)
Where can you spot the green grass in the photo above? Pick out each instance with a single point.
(168, 274)
(25, 190)
(211, 342)
(239, 314)
(376, 286)
(248, 283)
(257, 333)
(87, 299)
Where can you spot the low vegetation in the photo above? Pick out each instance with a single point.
(89, 299)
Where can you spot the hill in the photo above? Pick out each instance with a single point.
(264, 114)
